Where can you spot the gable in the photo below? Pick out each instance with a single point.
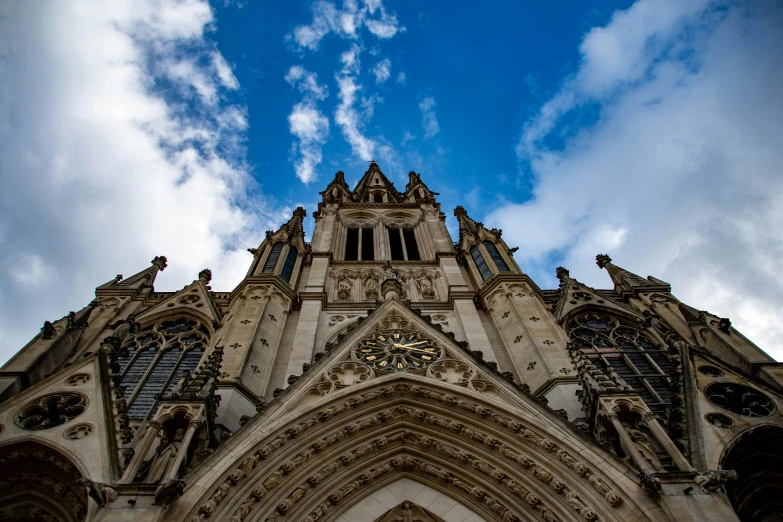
(68, 412)
(194, 298)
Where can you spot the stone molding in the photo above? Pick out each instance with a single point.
(518, 442)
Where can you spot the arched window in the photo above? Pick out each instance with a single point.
(156, 358)
(290, 261)
(495, 255)
(480, 263)
(274, 255)
(611, 342)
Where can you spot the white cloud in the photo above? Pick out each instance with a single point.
(102, 169)
(307, 123)
(349, 120)
(346, 115)
(406, 137)
(311, 127)
(307, 82)
(429, 122)
(382, 71)
(401, 78)
(30, 269)
(345, 23)
(679, 175)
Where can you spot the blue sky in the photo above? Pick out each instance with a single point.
(646, 129)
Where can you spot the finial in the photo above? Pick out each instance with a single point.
(161, 262)
(205, 275)
(460, 211)
(602, 260)
(562, 273)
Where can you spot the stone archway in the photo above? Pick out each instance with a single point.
(318, 461)
(755, 455)
(427, 504)
(38, 483)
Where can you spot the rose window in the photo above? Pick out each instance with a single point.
(51, 410)
(739, 399)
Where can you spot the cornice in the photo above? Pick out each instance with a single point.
(497, 279)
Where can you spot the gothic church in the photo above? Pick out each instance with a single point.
(384, 372)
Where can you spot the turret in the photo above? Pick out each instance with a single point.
(485, 252)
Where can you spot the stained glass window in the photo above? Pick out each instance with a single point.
(290, 261)
(496, 257)
(155, 359)
(480, 263)
(274, 255)
(612, 344)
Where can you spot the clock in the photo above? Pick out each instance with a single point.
(397, 351)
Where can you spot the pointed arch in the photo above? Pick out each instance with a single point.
(38, 478)
(313, 463)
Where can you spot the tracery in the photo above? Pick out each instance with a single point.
(156, 358)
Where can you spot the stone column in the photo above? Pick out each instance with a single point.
(664, 440)
(183, 450)
(140, 450)
(629, 446)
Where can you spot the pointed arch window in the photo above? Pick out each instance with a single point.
(495, 255)
(274, 255)
(480, 263)
(290, 261)
(614, 344)
(156, 358)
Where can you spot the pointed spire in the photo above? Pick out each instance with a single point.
(362, 188)
(295, 225)
(623, 279)
(467, 226)
(336, 189)
(417, 190)
(147, 276)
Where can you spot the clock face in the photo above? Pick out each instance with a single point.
(397, 351)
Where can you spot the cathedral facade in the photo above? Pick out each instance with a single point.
(385, 372)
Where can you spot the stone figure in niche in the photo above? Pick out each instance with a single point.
(642, 444)
(425, 287)
(371, 289)
(344, 288)
(164, 457)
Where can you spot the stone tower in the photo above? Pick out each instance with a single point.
(385, 372)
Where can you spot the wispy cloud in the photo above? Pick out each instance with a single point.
(346, 115)
(429, 121)
(679, 175)
(306, 82)
(382, 71)
(307, 123)
(128, 170)
(401, 78)
(345, 22)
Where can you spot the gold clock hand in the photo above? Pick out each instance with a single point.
(418, 350)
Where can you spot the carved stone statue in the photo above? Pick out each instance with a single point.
(100, 493)
(713, 480)
(344, 288)
(642, 444)
(125, 327)
(164, 457)
(425, 287)
(169, 492)
(371, 289)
